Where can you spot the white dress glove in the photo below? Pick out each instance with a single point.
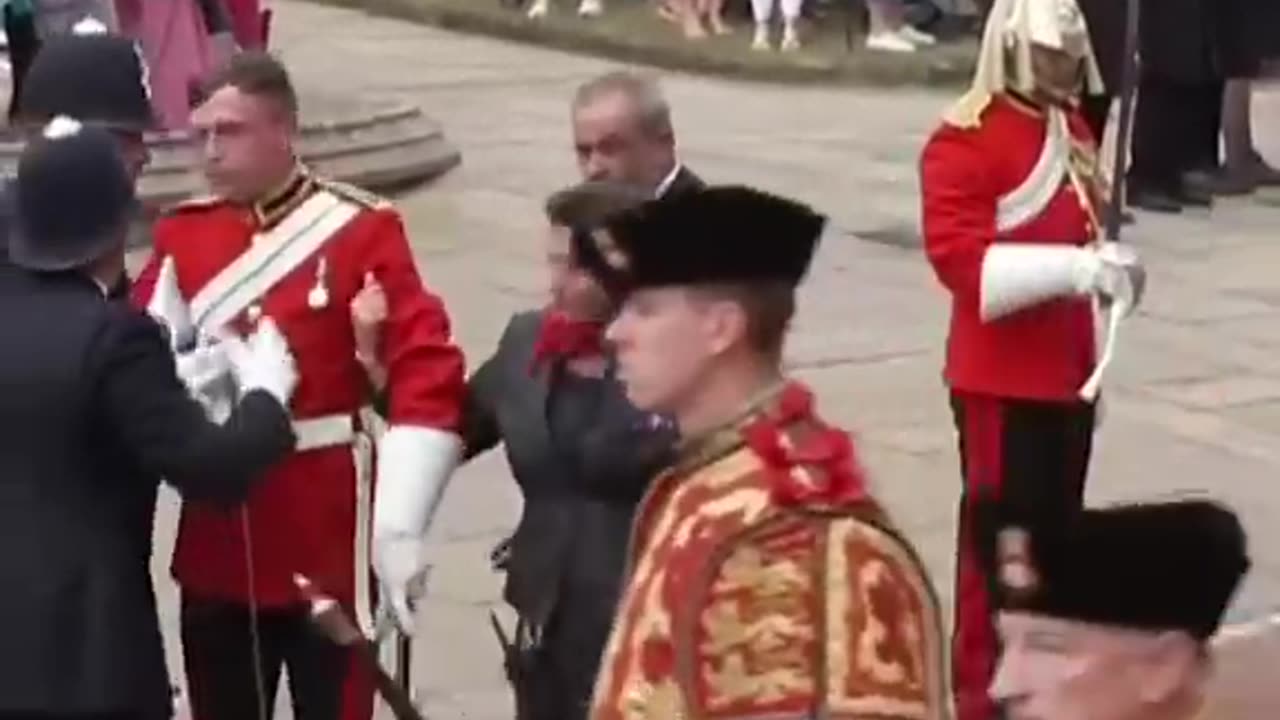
(1120, 275)
(402, 573)
(207, 373)
(264, 362)
(414, 467)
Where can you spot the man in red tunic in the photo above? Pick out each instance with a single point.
(1012, 193)
(276, 241)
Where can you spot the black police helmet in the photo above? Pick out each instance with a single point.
(89, 75)
(72, 198)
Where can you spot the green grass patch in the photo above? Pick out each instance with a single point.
(632, 32)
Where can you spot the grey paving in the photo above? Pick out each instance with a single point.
(1194, 398)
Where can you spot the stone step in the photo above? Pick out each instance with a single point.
(376, 144)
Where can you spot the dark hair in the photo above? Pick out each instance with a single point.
(587, 205)
(256, 73)
(769, 308)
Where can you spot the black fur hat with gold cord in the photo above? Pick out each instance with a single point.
(1156, 567)
(722, 234)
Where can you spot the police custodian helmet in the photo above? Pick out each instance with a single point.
(72, 198)
(89, 75)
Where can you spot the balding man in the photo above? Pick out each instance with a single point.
(622, 131)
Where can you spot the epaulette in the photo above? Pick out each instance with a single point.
(357, 195)
(193, 204)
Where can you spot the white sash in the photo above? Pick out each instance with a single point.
(272, 256)
(1029, 199)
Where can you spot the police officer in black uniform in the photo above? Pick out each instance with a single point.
(96, 78)
(93, 414)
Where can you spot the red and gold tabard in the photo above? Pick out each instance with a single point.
(299, 259)
(764, 582)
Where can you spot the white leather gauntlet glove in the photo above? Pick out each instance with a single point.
(1121, 276)
(264, 362)
(207, 373)
(414, 467)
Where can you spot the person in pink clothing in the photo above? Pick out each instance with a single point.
(249, 21)
(182, 41)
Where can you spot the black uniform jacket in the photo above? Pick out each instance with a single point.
(91, 416)
(579, 492)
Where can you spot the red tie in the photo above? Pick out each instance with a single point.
(562, 337)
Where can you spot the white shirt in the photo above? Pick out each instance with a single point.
(665, 185)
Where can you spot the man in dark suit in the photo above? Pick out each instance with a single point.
(583, 457)
(1178, 116)
(93, 415)
(622, 131)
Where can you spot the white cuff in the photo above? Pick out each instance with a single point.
(414, 466)
(1016, 276)
(169, 307)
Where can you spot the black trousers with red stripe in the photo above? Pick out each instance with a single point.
(219, 652)
(1029, 453)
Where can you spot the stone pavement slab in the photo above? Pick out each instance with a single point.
(1193, 405)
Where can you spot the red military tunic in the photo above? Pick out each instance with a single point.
(765, 583)
(302, 518)
(1044, 352)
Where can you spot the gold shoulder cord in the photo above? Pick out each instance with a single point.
(1083, 169)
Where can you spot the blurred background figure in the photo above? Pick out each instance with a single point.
(1253, 36)
(586, 8)
(762, 12)
(889, 31)
(695, 17)
(183, 41)
(250, 22)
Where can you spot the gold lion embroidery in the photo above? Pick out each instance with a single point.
(734, 682)
(658, 701)
(888, 648)
(757, 631)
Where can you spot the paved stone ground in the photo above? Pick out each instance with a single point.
(1194, 398)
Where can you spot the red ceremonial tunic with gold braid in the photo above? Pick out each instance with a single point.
(970, 180)
(305, 516)
(764, 582)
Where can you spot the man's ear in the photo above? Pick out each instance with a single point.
(1172, 661)
(726, 324)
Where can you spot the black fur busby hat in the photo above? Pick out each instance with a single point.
(90, 75)
(71, 199)
(727, 234)
(1161, 566)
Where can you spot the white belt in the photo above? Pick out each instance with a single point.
(323, 432)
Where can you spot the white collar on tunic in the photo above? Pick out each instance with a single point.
(665, 185)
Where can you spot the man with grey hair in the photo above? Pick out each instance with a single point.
(622, 131)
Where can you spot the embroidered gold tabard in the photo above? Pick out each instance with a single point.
(740, 607)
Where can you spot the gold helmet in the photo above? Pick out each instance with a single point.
(1004, 61)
